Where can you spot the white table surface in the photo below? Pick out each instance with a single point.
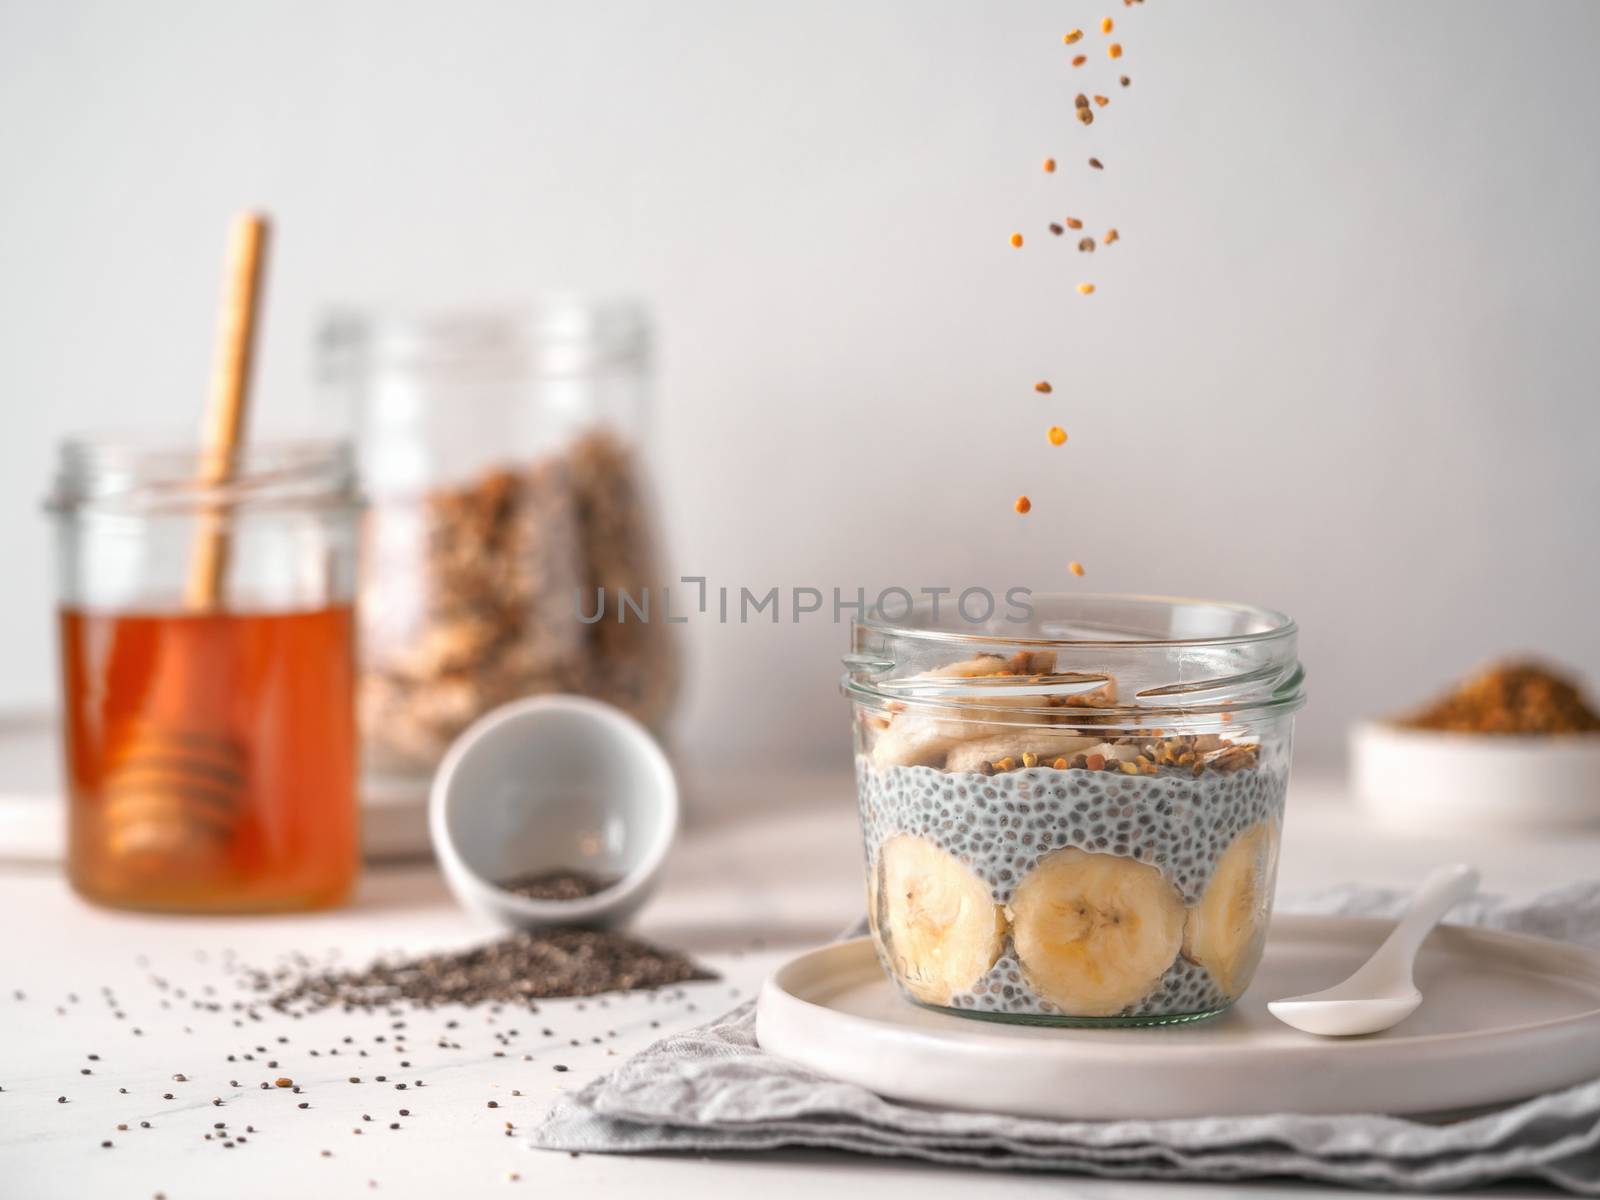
(745, 889)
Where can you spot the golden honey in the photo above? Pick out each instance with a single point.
(211, 758)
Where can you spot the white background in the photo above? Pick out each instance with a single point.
(1342, 362)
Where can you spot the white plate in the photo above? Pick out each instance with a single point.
(1425, 779)
(1504, 1017)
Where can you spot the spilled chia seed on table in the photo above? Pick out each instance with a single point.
(532, 965)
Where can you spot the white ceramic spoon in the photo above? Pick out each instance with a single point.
(1381, 993)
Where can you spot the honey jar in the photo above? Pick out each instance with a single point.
(211, 751)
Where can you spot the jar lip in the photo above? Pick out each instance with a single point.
(142, 471)
(1277, 624)
(1113, 657)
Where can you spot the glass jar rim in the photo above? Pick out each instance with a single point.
(1134, 657)
(557, 335)
(1274, 624)
(140, 472)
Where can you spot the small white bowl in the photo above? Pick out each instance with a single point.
(551, 783)
(1431, 781)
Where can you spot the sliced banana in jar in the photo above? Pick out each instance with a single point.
(971, 668)
(937, 920)
(1095, 932)
(923, 739)
(913, 740)
(874, 898)
(1226, 932)
(970, 756)
(1023, 662)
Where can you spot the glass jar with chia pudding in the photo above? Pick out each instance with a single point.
(1073, 818)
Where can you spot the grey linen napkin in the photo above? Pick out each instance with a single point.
(713, 1088)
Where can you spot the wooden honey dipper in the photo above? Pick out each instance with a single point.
(175, 786)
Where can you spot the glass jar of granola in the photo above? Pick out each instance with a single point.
(1072, 816)
(499, 452)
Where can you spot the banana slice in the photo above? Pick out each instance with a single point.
(972, 668)
(1023, 662)
(970, 756)
(917, 741)
(1226, 931)
(1095, 932)
(874, 899)
(942, 928)
(1103, 696)
(1116, 751)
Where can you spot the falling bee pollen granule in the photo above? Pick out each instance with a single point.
(1084, 106)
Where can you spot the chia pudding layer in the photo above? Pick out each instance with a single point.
(1113, 890)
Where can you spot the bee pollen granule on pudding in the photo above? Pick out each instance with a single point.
(1114, 50)
(1016, 240)
(1043, 386)
(1068, 38)
(1023, 504)
(1076, 568)
(1049, 165)
(1106, 25)
(1086, 289)
(1074, 223)
(1057, 435)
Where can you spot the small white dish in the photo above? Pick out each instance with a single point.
(1508, 1017)
(1425, 780)
(1383, 991)
(553, 783)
